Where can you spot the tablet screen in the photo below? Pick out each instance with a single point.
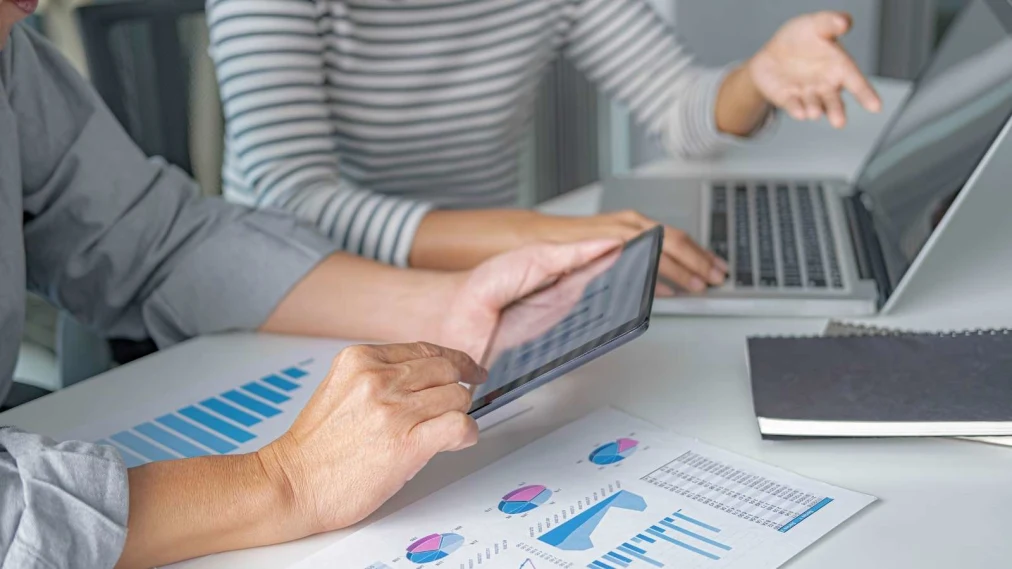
(577, 314)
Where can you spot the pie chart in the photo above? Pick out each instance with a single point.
(524, 499)
(613, 452)
(434, 547)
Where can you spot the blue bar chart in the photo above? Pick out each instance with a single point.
(678, 531)
(214, 425)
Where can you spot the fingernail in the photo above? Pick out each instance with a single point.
(722, 265)
(697, 284)
(716, 276)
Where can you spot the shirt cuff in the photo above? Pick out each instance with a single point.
(236, 278)
(67, 502)
(407, 231)
(692, 123)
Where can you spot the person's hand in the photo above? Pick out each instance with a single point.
(803, 69)
(380, 415)
(541, 310)
(683, 261)
(481, 294)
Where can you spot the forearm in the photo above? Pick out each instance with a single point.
(456, 240)
(350, 297)
(183, 509)
(740, 107)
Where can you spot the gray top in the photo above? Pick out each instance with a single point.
(128, 246)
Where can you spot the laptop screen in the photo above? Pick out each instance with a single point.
(961, 102)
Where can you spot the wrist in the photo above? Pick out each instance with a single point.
(458, 240)
(279, 482)
(741, 105)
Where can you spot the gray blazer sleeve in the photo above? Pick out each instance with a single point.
(64, 504)
(127, 244)
(129, 247)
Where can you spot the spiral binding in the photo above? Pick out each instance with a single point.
(852, 330)
(837, 329)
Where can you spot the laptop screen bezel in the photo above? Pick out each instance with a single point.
(1002, 10)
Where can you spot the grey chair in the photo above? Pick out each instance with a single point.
(138, 63)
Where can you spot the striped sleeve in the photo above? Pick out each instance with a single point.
(282, 152)
(628, 50)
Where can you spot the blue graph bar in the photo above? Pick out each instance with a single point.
(647, 539)
(599, 565)
(822, 504)
(195, 433)
(612, 559)
(295, 373)
(684, 545)
(682, 516)
(216, 424)
(141, 446)
(230, 412)
(619, 557)
(281, 383)
(167, 439)
(129, 459)
(261, 390)
(634, 548)
(255, 405)
(626, 548)
(697, 536)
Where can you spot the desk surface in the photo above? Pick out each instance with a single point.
(944, 503)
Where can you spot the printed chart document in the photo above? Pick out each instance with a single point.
(606, 492)
(227, 413)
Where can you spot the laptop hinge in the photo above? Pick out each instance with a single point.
(867, 248)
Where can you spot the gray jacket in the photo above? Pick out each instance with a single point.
(128, 246)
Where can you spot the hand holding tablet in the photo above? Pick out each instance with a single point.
(576, 319)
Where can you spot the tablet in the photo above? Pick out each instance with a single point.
(578, 318)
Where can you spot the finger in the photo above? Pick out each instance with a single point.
(795, 108)
(467, 370)
(830, 24)
(448, 432)
(431, 403)
(419, 375)
(813, 106)
(855, 82)
(676, 273)
(663, 290)
(834, 109)
(684, 251)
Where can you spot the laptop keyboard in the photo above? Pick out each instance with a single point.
(775, 235)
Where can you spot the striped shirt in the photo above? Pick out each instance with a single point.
(361, 115)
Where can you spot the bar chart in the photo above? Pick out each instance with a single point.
(678, 531)
(213, 425)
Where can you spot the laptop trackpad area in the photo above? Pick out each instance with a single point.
(676, 202)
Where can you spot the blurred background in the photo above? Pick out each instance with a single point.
(148, 59)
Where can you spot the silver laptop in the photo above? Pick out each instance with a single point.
(833, 247)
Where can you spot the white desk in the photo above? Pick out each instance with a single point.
(944, 503)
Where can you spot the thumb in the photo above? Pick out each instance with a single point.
(451, 431)
(830, 24)
(530, 268)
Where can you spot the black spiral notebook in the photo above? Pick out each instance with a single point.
(875, 383)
